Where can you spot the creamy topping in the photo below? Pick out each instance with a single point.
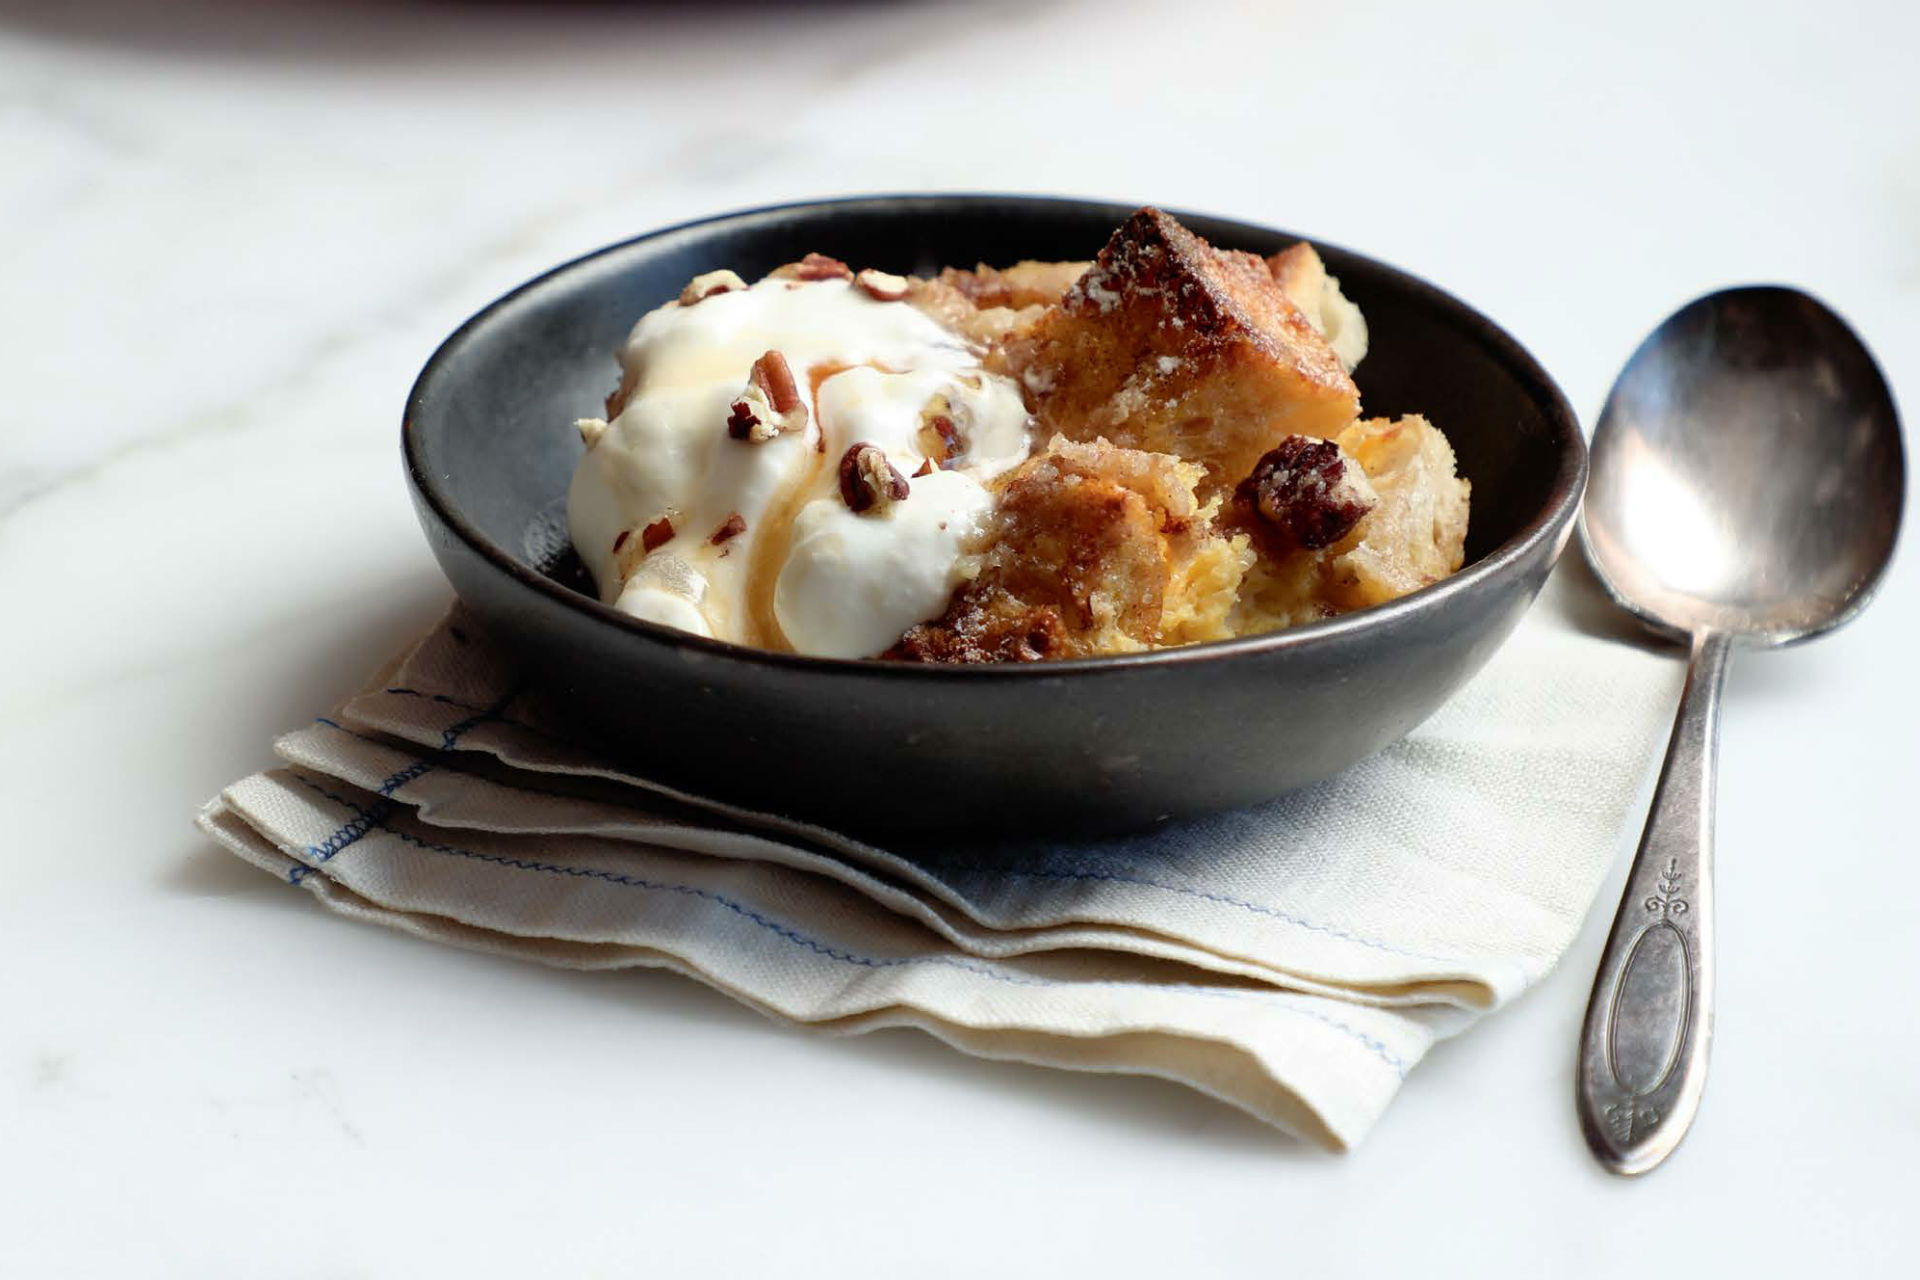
(852, 584)
(798, 569)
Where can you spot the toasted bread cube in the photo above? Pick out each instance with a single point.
(987, 304)
(1024, 284)
(1171, 346)
(1417, 533)
(1092, 549)
(1302, 276)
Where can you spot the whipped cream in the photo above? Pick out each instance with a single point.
(653, 504)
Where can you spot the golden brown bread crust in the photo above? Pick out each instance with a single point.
(987, 304)
(984, 629)
(1024, 284)
(1076, 560)
(1187, 355)
(1169, 345)
(1300, 274)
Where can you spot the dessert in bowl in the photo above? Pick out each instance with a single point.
(1050, 460)
(1131, 711)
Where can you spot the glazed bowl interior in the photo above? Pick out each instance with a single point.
(1100, 743)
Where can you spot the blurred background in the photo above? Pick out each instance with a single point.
(208, 209)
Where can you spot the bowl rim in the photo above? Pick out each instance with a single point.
(1548, 524)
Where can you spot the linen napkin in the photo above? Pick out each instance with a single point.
(1295, 959)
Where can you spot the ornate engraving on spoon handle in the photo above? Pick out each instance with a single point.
(1643, 1050)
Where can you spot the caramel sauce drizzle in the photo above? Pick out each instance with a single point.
(774, 539)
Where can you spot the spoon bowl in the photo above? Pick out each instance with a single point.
(1747, 486)
(1747, 471)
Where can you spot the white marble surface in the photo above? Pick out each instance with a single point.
(229, 236)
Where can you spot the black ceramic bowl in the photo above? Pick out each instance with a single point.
(1106, 743)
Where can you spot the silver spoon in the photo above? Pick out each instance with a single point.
(1747, 484)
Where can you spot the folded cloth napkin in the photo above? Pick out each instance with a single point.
(1294, 959)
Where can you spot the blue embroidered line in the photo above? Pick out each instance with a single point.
(346, 834)
(959, 864)
(375, 815)
(790, 934)
(400, 779)
(445, 701)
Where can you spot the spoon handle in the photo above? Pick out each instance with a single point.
(1643, 1051)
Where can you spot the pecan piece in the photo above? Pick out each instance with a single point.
(868, 482)
(939, 437)
(773, 374)
(1309, 492)
(881, 286)
(771, 403)
(702, 287)
(618, 397)
(656, 535)
(815, 266)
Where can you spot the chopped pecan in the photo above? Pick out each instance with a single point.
(1308, 492)
(772, 372)
(815, 266)
(657, 535)
(868, 482)
(940, 438)
(702, 287)
(771, 403)
(881, 286)
(750, 418)
(951, 444)
(618, 397)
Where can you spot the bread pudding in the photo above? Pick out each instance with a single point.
(1045, 460)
